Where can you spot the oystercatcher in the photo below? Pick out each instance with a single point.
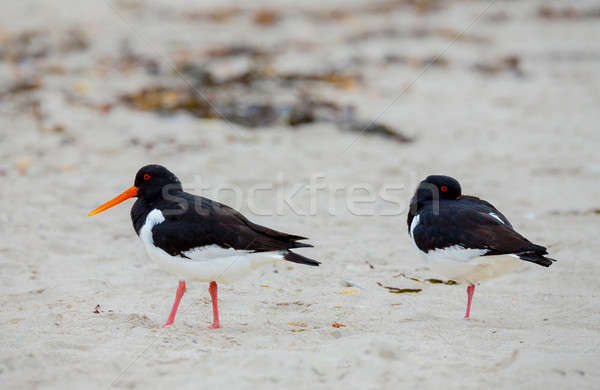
(199, 239)
(464, 237)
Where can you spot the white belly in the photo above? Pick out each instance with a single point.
(474, 270)
(219, 269)
(206, 264)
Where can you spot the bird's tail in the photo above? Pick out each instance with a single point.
(296, 258)
(537, 259)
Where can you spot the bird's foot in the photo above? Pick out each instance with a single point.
(215, 325)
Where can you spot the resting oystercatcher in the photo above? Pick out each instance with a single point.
(464, 237)
(199, 239)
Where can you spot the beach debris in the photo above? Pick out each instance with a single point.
(397, 290)
(77, 99)
(403, 275)
(384, 33)
(299, 303)
(568, 12)
(25, 86)
(459, 35)
(305, 110)
(373, 128)
(203, 78)
(22, 46)
(224, 14)
(220, 98)
(299, 330)
(299, 324)
(348, 291)
(266, 17)
(510, 63)
(37, 44)
(418, 33)
(130, 60)
(269, 16)
(216, 15)
(419, 6)
(73, 40)
(96, 309)
(336, 79)
(435, 60)
(439, 281)
(336, 14)
(167, 100)
(431, 280)
(338, 325)
(574, 212)
(235, 51)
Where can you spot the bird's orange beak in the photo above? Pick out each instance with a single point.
(128, 193)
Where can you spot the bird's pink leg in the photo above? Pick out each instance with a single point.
(178, 295)
(212, 289)
(470, 292)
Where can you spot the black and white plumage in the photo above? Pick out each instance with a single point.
(197, 238)
(464, 237)
(201, 239)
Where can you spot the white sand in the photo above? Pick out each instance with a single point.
(529, 145)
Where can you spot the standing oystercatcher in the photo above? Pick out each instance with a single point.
(197, 238)
(464, 237)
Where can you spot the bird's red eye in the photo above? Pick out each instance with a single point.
(147, 176)
(444, 188)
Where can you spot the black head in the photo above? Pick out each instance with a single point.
(438, 187)
(151, 180)
(434, 187)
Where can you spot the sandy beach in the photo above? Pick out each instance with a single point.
(504, 96)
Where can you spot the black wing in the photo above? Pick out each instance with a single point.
(206, 222)
(459, 223)
(483, 206)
